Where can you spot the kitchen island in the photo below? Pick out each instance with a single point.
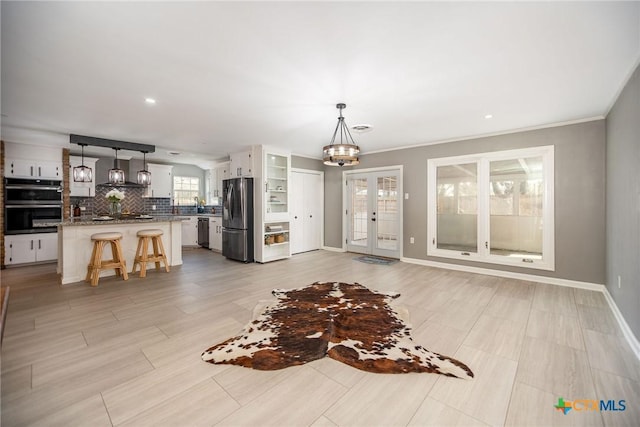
(75, 245)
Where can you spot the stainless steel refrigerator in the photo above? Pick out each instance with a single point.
(237, 219)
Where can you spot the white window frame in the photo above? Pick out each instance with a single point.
(199, 191)
(483, 252)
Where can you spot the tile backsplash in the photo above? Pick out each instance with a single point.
(133, 202)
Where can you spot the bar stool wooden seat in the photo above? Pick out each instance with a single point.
(96, 263)
(142, 252)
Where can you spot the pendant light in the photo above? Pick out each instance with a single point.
(116, 175)
(345, 153)
(82, 173)
(144, 176)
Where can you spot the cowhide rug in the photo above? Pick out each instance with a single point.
(347, 322)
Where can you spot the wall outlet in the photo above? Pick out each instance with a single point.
(412, 240)
(619, 282)
(153, 207)
(406, 196)
(83, 208)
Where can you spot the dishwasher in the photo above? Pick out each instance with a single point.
(203, 232)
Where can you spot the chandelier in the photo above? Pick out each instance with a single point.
(344, 153)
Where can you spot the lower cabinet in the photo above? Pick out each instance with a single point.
(190, 231)
(215, 233)
(26, 248)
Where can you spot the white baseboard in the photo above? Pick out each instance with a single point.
(508, 274)
(626, 330)
(332, 249)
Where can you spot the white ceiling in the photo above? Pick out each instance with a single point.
(227, 75)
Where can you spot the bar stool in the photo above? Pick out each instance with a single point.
(96, 263)
(142, 252)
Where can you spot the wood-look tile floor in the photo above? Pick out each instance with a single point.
(128, 353)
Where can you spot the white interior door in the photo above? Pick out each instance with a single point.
(373, 213)
(306, 210)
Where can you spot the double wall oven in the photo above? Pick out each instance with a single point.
(27, 201)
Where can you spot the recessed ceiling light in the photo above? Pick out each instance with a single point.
(362, 128)
(150, 101)
(488, 116)
(174, 153)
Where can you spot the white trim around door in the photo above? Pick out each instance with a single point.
(371, 178)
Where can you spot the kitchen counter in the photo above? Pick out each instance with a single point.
(105, 221)
(75, 245)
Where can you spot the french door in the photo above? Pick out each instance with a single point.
(373, 208)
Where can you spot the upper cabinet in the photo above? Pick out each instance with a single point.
(213, 183)
(82, 189)
(161, 181)
(20, 168)
(242, 164)
(32, 161)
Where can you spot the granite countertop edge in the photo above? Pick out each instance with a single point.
(81, 222)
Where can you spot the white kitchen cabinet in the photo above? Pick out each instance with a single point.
(272, 203)
(27, 248)
(82, 189)
(209, 183)
(222, 172)
(213, 183)
(32, 161)
(21, 168)
(161, 181)
(242, 164)
(190, 231)
(215, 233)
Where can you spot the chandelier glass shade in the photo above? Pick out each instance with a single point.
(82, 173)
(144, 176)
(344, 153)
(116, 175)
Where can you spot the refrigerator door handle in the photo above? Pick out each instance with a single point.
(230, 200)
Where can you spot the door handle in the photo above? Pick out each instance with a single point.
(373, 219)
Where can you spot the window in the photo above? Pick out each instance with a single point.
(493, 207)
(186, 190)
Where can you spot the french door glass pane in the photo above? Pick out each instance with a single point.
(358, 211)
(516, 194)
(387, 213)
(457, 207)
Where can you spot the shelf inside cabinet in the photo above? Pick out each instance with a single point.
(277, 244)
(276, 232)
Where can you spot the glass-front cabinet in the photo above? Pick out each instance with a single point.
(276, 183)
(273, 201)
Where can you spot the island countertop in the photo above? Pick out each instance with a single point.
(75, 245)
(108, 220)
